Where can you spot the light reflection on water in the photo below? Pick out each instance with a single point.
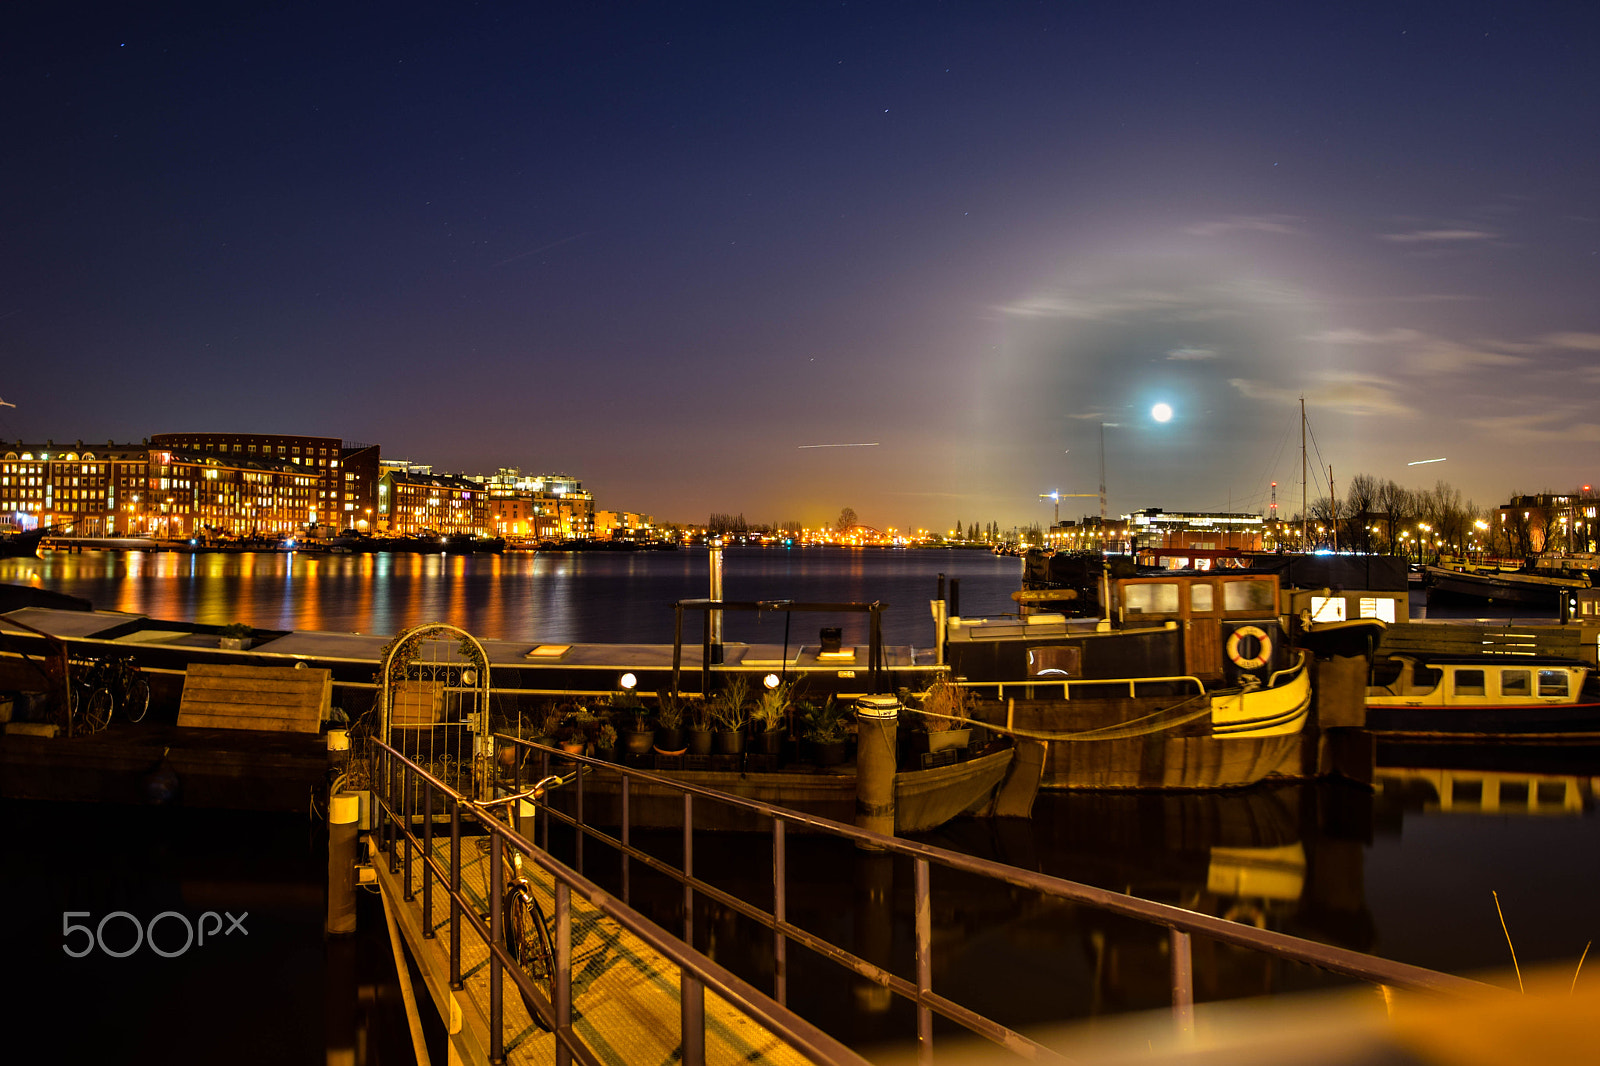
(553, 597)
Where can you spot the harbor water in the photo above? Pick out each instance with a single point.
(1410, 871)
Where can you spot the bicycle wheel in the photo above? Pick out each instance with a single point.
(528, 940)
(136, 699)
(96, 711)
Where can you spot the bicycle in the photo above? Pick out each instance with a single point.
(105, 686)
(525, 929)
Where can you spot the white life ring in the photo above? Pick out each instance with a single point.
(1263, 647)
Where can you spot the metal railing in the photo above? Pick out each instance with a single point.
(1181, 924)
(398, 782)
(1105, 686)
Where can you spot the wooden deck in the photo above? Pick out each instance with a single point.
(625, 994)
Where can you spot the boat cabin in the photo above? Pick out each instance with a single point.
(1211, 625)
(1407, 681)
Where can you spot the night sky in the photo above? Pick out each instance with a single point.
(662, 247)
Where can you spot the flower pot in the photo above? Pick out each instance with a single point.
(639, 742)
(699, 742)
(949, 738)
(574, 747)
(828, 752)
(669, 741)
(233, 643)
(727, 741)
(766, 741)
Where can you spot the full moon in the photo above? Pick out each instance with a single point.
(1161, 413)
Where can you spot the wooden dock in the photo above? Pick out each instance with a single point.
(624, 994)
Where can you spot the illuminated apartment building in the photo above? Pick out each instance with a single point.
(411, 505)
(340, 502)
(140, 490)
(552, 506)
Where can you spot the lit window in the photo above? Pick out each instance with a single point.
(1377, 607)
(1151, 598)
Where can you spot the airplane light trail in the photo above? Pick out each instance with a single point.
(1423, 462)
(874, 444)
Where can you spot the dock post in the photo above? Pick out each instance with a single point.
(714, 614)
(877, 733)
(344, 816)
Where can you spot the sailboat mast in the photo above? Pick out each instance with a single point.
(1102, 484)
(1305, 539)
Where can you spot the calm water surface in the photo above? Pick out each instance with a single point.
(574, 596)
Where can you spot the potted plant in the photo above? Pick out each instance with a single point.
(605, 742)
(767, 719)
(669, 722)
(640, 735)
(947, 710)
(824, 732)
(578, 729)
(701, 720)
(731, 711)
(235, 637)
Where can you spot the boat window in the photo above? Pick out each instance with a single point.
(1552, 682)
(1466, 792)
(1552, 793)
(1514, 792)
(1200, 597)
(1377, 607)
(1248, 596)
(1514, 683)
(1151, 598)
(1327, 609)
(1469, 683)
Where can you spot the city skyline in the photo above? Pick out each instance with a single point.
(675, 252)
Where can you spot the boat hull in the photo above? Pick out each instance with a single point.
(924, 799)
(1551, 722)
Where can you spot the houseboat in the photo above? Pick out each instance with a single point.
(1520, 698)
(1190, 681)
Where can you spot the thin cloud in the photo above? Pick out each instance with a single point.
(1184, 355)
(1425, 353)
(1583, 342)
(1544, 427)
(1428, 236)
(1354, 394)
(1243, 223)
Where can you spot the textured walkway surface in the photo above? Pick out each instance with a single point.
(625, 994)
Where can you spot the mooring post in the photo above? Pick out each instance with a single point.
(344, 817)
(877, 734)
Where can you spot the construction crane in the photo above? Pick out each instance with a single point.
(1057, 496)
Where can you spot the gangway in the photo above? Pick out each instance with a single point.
(670, 1000)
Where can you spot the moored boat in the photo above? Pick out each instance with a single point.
(1520, 698)
(1189, 683)
(1520, 588)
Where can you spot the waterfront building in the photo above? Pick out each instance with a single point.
(1154, 527)
(624, 525)
(141, 490)
(554, 506)
(1092, 534)
(320, 456)
(359, 468)
(1549, 522)
(411, 505)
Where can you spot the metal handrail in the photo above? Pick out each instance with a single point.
(1067, 683)
(696, 972)
(1182, 924)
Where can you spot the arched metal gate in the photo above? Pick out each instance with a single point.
(433, 700)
